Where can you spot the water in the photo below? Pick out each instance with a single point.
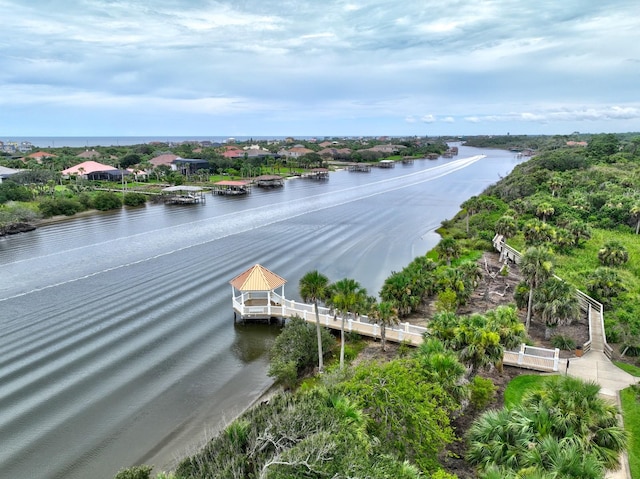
(117, 339)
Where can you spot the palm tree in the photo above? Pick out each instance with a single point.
(314, 287)
(579, 231)
(448, 248)
(575, 409)
(399, 289)
(346, 295)
(604, 284)
(536, 267)
(506, 226)
(385, 314)
(537, 232)
(613, 253)
(472, 205)
(557, 303)
(545, 210)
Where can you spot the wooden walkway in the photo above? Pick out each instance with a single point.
(529, 357)
(257, 307)
(592, 308)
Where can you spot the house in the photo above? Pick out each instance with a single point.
(40, 155)
(89, 170)
(295, 152)
(189, 166)
(577, 143)
(165, 159)
(7, 172)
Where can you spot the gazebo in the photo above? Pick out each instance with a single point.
(254, 294)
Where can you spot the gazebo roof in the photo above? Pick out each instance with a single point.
(257, 278)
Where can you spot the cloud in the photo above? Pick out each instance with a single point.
(357, 65)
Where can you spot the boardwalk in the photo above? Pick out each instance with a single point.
(252, 305)
(256, 308)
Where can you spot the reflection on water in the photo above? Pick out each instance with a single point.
(254, 340)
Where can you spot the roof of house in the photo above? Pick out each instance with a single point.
(257, 278)
(232, 183)
(5, 172)
(87, 167)
(41, 154)
(165, 159)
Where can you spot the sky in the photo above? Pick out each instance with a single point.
(318, 67)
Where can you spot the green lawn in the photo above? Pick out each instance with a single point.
(630, 400)
(518, 386)
(630, 368)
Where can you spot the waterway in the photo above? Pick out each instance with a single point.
(117, 339)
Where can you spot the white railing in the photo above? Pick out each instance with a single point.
(586, 302)
(360, 324)
(533, 358)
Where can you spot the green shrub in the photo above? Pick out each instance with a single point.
(59, 206)
(521, 295)
(482, 392)
(563, 342)
(296, 349)
(136, 472)
(106, 200)
(135, 199)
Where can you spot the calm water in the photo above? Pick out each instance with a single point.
(117, 339)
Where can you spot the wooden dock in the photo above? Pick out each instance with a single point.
(359, 167)
(183, 195)
(229, 187)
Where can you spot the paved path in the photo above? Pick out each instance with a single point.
(595, 366)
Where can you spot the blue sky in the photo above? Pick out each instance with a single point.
(318, 67)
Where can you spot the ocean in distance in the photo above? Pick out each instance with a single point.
(92, 141)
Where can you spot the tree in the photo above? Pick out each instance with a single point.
(294, 350)
(385, 314)
(346, 295)
(314, 287)
(613, 253)
(448, 248)
(604, 284)
(537, 232)
(506, 226)
(544, 210)
(557, 303)
(399, 289)
(409, 413)
(579, 231)
(536, 267)
(471, 206)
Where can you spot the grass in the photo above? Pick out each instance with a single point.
(519, 386)
(631, 413)
(630, 368)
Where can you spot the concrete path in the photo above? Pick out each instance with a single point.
(595, 366)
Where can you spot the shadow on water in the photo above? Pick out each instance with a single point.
(253, 340)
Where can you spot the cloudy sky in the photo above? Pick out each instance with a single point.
(318, 67)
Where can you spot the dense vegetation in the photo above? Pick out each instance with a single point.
(574, 212)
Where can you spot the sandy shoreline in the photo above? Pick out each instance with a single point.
(202, 427)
